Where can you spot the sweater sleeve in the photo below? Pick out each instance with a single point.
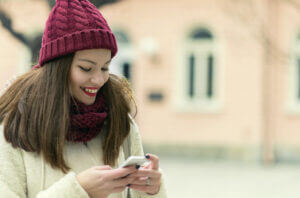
(13, 177)
(67, 186)
(12, 171)
(137, 150)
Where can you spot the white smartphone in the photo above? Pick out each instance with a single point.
(134, 160)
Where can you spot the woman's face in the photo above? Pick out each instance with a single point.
(89, 72)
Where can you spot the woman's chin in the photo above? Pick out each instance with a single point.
(90, 102)
(87, 101)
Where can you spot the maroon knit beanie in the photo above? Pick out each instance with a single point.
(75, 25)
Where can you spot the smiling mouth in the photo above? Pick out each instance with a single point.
(90, 91)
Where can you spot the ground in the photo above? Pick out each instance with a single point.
(186, 178)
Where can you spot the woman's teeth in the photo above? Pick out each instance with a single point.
(91, 90)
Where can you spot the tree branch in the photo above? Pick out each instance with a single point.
(97, 3)
(7, 24)
(294, 3)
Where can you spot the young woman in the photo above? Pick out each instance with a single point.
(65, 123)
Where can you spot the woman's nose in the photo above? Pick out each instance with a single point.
(98, 80)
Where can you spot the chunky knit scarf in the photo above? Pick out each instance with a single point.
(86, 122)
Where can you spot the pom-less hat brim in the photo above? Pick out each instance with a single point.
(91, 39)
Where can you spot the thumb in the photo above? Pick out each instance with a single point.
(106, 167)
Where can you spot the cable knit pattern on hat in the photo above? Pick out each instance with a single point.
(75, 25)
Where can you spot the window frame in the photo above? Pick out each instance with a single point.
(293, 76)
(125, 55)
(182, 101)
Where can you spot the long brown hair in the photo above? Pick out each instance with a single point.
(35, 112)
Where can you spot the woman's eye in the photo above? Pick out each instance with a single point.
(85, 69)
(105, 69)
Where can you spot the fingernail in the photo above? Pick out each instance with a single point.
(137, 166)
(128, 185)
(148, 156)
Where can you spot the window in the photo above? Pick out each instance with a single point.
(294, 78)
(122, 64)
(298, 78)
(201, 65)
(198, 71)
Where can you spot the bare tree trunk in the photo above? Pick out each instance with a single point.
(264, 28)
(268, 77)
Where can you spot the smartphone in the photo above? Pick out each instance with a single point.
(134, 160)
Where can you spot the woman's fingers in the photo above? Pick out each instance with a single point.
(106, 167)
(146, 181)
(142, 188)
(146, 173)
(154, 160)
(121, 172)
(123, 182)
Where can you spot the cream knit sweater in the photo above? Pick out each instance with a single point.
(25, 175)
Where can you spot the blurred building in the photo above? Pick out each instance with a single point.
(211, 77)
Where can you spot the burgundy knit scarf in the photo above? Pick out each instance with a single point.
(86, 121)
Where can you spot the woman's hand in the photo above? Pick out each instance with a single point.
(147, 179)
(101, 181)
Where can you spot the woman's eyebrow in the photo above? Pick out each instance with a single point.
(108, 62)
(86, 60)
(94, 63)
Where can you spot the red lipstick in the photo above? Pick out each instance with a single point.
(89, 93)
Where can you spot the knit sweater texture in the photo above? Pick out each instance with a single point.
(25, 175)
